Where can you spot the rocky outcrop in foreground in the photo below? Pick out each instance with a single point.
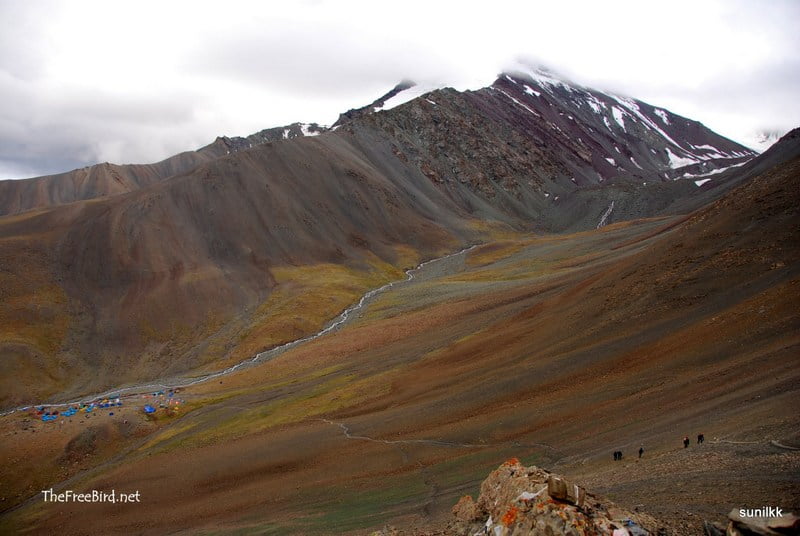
(519, 501)
(516, 500)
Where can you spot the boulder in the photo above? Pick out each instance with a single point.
(465, 509)
(560, 489)
(516, 500)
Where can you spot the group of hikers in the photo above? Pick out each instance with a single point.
(700, 439)
(618, 454)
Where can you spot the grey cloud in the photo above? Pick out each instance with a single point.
(97, 106)
(769, 90)
(19, 159)
(311, 60)
(22, 39)
(44, 133)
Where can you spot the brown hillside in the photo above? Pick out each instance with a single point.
(171, 277)
(556, 349)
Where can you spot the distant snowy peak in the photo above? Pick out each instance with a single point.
(598, 135)
(652, 137)
(542, 77)
(763, 140)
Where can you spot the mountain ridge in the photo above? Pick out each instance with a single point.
(103, 180)
(159, 279)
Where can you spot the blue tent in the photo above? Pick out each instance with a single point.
(149, 409)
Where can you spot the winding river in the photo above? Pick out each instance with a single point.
(261, 357)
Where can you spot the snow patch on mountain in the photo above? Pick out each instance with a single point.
(676, 161)
(663, 115)
(519, 103)
(305, 128)
(712, 172)
(619, 117)
(543, 77)
(624, 111)
(597, 105)
(408, 95)
(631, 105)
(707, 147)
(530, 91)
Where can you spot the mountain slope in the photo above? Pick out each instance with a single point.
(584, 137)
(101, 180)
(550, 154)
(197, 261)
(557, 349)
(148, 278)
(104, 180)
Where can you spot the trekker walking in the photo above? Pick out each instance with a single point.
(685, 441)
(700, 438)
(641, 451)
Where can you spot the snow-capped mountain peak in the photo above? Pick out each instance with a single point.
(651, 137)
(764, 139)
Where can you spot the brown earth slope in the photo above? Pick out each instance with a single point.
(556, 349)
(105, 180)
(101, 180)
(189, 264)
(170, 278)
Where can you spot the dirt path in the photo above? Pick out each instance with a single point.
(435, 442)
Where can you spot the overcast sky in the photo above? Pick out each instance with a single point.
(133, 82)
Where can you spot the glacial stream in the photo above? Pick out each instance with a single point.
(261, 357)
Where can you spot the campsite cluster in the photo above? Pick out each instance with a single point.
(85, 407)
(158, 400)
(164, 401)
